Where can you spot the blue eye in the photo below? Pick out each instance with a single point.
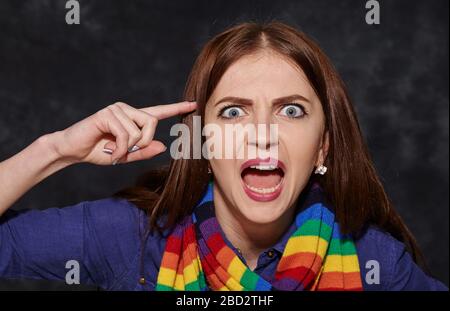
(232, 112)
(292, 111)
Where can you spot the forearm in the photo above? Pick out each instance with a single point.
(27, 168)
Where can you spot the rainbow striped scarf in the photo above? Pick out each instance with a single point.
(316, 256)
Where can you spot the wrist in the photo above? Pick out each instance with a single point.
(52, 144)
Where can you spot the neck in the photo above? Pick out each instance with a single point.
(249, 237)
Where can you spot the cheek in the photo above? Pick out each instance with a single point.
(300, 144)
(223, 168)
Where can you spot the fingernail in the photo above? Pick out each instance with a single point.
(108, 151)
(164, 148)
(133, 149)
(115, 161)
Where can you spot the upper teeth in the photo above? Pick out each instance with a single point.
(264, 167)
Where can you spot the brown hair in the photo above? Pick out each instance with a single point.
(351, 182)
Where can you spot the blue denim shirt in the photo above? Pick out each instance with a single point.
(109, 240)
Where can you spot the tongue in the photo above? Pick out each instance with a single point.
(261, 179)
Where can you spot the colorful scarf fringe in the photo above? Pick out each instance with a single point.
(316, 256)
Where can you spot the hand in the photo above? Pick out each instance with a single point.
(108, 136)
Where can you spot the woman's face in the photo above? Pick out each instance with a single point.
(263, 192)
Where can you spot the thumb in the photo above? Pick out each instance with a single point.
(154, 148)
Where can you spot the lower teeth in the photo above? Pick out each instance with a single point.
(263, 190)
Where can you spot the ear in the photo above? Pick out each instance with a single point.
(323, 151)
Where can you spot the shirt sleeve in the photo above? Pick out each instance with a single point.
(407, 275)
(93, 242)
(386, 265)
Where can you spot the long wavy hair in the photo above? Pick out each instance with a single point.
(351, 183)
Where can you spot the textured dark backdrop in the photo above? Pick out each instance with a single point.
(140, 52)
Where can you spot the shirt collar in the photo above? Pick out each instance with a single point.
(281, 244)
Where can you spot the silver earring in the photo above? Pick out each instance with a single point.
(321, 169)
(209, 170)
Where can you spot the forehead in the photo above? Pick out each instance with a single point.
(265, 74)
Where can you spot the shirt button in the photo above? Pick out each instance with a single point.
(142, 281)
(270, 253)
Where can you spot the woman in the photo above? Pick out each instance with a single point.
(313, 217)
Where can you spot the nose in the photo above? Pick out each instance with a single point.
(266, 136)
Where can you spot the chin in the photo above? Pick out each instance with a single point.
(261, 217)
(261, 212)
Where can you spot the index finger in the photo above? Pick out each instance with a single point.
(170, 110)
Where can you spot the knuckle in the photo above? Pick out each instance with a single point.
(124, 105)
(152, 120)
(109, 111)
(135, 135)
(119, 104)
(146, 139)
(103, 111)
(116, 106)
(122, 136)
(112, 107)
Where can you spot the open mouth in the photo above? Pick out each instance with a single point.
(263, 179)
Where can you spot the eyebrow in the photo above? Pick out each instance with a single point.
(246, 101)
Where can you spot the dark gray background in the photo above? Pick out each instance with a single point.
(140, 52)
